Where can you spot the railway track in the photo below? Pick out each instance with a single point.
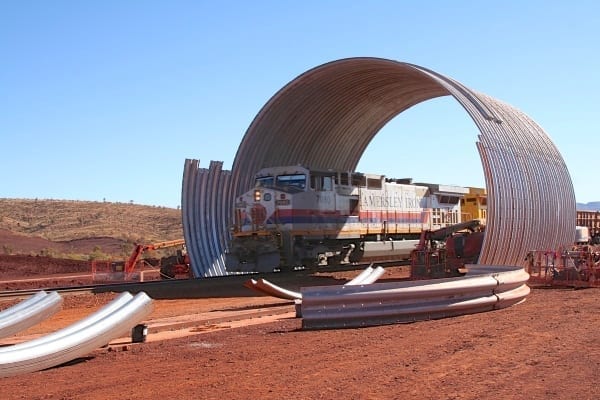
(94, 288)
(221, 286)
(13, 294)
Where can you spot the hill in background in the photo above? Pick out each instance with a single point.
(591, 206)
(64, 228)
(88, 230)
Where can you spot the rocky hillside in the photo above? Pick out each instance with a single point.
(60, 227)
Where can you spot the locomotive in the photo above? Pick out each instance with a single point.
(295, 216)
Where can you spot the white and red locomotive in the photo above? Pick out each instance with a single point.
(298, 216)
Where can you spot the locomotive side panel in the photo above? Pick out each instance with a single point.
(394, 210)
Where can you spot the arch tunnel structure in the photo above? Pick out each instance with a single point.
(342, 105)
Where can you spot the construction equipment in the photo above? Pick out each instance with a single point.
(170, 267)
(576, 266)
(176, 266)
(444, 252)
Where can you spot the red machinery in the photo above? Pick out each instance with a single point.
(170, 266)
(444, 252)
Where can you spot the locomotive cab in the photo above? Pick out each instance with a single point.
(260, 217)
(273, 190)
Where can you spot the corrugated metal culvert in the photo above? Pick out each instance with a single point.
(342, 105)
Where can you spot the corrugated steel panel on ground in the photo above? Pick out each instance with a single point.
(368, 276)
(482, 289)
(76, 343)
(103, 312)
(30, 312)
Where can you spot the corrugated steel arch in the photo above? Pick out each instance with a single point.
(206, 204)
(326, 117)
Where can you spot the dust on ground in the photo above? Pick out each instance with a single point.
(545, 348)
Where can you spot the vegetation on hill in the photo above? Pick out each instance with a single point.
(63, 221)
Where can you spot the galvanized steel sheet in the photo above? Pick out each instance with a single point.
(482, 289)
(78, 340)
(30, 312)
(366, 277)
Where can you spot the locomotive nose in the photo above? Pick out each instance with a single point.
(258, 214)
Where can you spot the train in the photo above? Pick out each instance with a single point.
(296, 216)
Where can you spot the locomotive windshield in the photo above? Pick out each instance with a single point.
(265, 181)
(291, 181)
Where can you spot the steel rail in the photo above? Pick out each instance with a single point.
(24, 293)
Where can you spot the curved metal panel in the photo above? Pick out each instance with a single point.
(206, 208)
(30, 312)
(368, 276)
(342, 105)
(103, 312)
(264, 286)
(482, 289)
(23, 304)
(77, 343)
(361, 277)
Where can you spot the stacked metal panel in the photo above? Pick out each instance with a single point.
(207, 203)
(326, 117)
(484, 289)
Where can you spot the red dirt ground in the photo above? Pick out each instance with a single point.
(546, 348)
(21, 264)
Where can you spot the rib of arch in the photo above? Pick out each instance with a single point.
(342, 105)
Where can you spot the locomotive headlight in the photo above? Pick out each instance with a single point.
(257, 195)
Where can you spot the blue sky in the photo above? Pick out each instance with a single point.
(106, 99)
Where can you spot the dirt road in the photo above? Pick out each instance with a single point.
(545, 348)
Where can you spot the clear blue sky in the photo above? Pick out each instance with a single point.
(106, 99)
